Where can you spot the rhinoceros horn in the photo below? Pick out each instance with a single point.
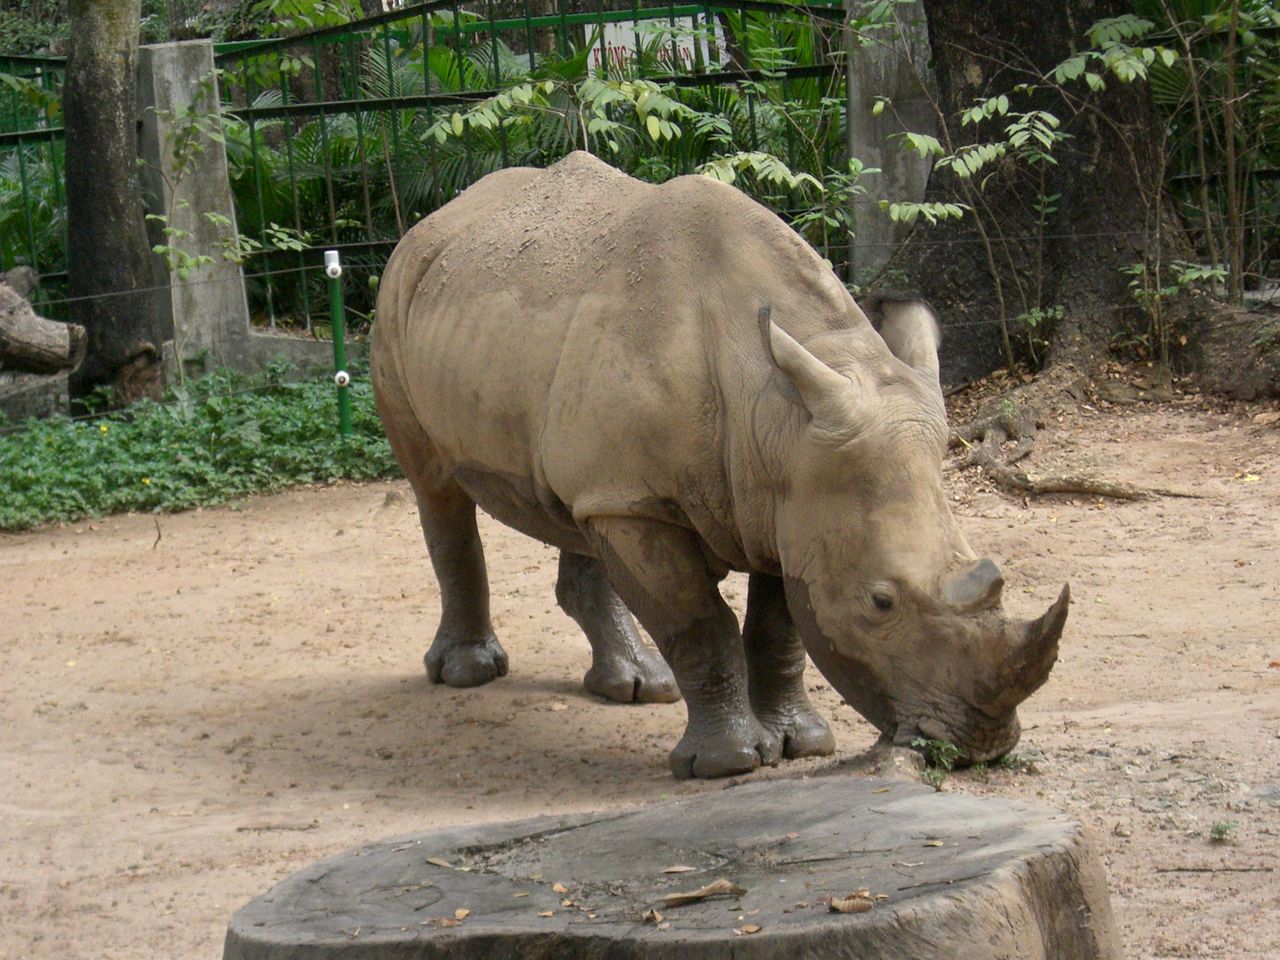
(977, 588)
(1033, 650)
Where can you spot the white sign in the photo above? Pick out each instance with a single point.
(671, 40)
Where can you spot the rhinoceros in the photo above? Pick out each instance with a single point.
(667, 383)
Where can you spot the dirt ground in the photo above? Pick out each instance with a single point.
(196, 705)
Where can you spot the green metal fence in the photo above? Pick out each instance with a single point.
(33, 219)
(334, 136)
(330, 141)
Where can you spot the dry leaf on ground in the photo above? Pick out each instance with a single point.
(716, 888)
(856, 903)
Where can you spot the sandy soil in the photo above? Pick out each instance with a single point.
(194, 706)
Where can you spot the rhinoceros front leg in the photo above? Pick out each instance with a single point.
(659, 572)
(775, 672)
(465, 653)
(623, 668)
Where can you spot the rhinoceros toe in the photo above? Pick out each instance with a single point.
(458, 664)
(625, 680)
(725, 752)
(803, 733)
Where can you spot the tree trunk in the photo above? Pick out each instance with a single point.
(1009, 257)
(110, 263)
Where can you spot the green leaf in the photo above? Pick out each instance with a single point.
(652, 125)
(923, 144)
(1070, 69)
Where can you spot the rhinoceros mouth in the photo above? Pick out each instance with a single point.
(978, 738)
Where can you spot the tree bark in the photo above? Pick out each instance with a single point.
(111, 270)
(30, 342)
(1006, 258)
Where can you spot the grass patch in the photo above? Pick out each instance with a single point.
(221, 437)
(1223, 831)
(940, 758)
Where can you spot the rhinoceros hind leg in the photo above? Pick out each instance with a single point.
(775, 673)
(623, 667)
(465, 653)
(660, 573)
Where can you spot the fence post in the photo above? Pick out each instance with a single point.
(337, 310)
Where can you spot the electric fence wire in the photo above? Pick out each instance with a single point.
(369, 268)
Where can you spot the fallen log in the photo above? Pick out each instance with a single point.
(30, 342)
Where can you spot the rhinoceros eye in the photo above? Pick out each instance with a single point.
(882, 600)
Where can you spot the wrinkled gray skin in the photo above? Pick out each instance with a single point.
(587, 358)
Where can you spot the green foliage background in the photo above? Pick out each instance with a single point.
(210, 441)
(362, 176)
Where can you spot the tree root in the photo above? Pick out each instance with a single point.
(1006, 420)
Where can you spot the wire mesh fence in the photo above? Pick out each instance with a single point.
(343, 137)
(335, 135)
(33, 217)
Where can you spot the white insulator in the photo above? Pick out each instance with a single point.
(342, 378)
(332, 265)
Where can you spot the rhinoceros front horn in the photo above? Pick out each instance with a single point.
(1032, 654)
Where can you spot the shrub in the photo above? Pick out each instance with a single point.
(221, 437)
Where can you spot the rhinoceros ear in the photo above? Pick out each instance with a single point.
(909, 328)
(830, 397)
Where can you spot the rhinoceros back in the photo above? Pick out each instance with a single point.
(579, 333)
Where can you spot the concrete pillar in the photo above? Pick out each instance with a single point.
(208, 307)
(894, 65)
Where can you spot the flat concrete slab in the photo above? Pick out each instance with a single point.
(947, 876)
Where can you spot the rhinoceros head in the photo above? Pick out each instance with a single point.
(891, 603)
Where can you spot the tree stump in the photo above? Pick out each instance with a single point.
(922, 874)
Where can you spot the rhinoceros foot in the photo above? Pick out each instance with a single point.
(458, 663)
(640, 678)
(705, 753)
(802, 731)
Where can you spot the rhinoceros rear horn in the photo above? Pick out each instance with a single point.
(828, 396)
